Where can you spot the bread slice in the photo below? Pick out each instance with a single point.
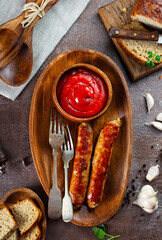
(14, 236)
(148, 12)
(33, 234)
(7, 223)
(26, 214)
(138, 49)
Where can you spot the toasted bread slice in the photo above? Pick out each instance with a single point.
(33, 234)
(14, 236)
(7, 223)
(138, 49)
(26, 214)
(148, 12)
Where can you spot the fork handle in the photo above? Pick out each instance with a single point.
(67, 206)
(54, 203)
(54, 153)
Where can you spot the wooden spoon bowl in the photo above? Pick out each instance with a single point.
(20, 194)
(7, 42)
(16, 52)
(18, 71)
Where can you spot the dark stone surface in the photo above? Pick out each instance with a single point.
(129, 221)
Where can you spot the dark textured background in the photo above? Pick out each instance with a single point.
(130, 221)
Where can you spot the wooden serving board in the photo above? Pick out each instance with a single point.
(120, 106)
(112, 15)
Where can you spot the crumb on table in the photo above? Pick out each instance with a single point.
(124, 10)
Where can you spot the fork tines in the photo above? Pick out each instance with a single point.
(56, 122)
(68, 142)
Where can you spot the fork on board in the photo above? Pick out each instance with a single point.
(67, 151)
(56, 139)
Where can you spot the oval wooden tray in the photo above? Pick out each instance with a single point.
(120, 107)
(20, 194)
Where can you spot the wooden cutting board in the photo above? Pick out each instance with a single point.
(112, 15)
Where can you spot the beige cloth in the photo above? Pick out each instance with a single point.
(49, 30)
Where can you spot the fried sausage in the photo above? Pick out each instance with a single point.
(101, 161)
(82, 160)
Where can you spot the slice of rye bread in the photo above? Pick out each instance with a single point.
(14, 236)
(148, 12)
(138, 49)
(26, 214)
(7, 223)
(33, 234)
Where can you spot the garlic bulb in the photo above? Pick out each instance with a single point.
(159, 117)
(147, 199)
(153, 172)
(155, 124)
(149, 101)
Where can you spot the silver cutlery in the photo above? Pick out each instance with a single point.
(56, 139)
(67, 151)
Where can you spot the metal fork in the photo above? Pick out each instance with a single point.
(56, 139)
(67, 150)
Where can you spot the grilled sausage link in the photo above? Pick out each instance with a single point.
(82, 160)
(101, 161)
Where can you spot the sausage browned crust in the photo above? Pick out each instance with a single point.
(101, 161)
(82, 160)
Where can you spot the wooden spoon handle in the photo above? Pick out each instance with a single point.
(49, 6)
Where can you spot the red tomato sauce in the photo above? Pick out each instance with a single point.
(82, 92)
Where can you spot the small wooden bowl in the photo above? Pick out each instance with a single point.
(94, 69)
(20, 194)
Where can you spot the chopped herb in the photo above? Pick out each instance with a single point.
(152, 56)
(149, 64)
(100, 232)
(158, 57)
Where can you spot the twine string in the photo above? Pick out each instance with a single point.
(32, 11)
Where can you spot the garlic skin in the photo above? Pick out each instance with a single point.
(155, 124)
(147, 199)
(159, 117)
(149, 101)
(153, 173)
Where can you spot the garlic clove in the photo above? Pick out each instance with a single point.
(150, 210)
(147, 199)
(155, 124)
(148, 203)
(159, 117)
(146, 193)
(147, 187)
(149, 101)
(153, 173)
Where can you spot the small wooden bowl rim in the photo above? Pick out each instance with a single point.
(96, 70)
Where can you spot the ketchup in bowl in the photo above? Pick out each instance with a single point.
(81, 92)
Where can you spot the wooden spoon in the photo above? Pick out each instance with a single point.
(16, 53)
(20, 194)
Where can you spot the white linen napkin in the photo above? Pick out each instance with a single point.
(47, 32)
